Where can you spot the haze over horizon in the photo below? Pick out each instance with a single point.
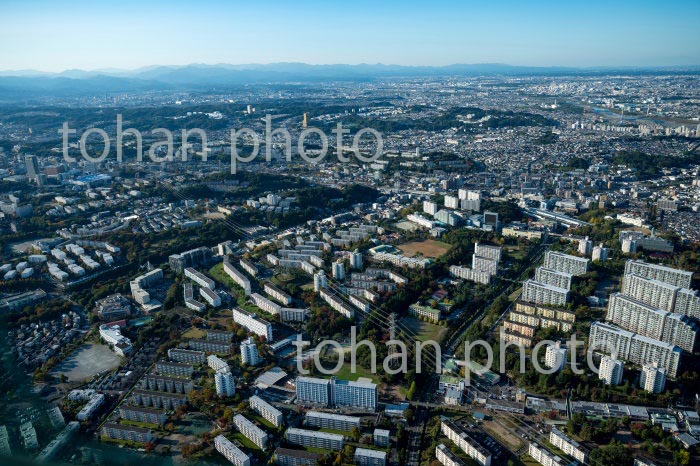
(52, 37)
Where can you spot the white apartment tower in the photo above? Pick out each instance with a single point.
(610, 370)
(652, 378)
(249, 352)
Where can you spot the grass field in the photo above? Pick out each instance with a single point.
(194, 333)
(428, 248)
(244, 441)
(424, 330)
(217, 272)
(345, 372)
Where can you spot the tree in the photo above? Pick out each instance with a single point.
(411, 391)
(681, 457)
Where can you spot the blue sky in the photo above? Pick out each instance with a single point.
(58, 35)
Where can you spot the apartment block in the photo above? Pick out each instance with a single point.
(541, 293)
(638, 317)
(138, 414)
(610, 370)
(199, 278)
(129, 433)
(676, 277)
(553, 277)
(222, 336)
(163, 383)
(467, 442)
(653, 378)
(230, 451)
(216, 363)
(187, 356)
(265, 304)
(174, 368)
(155, 399)
(209, 346)
(447, 457)
(237, 276)
(252, 432)
(331, 421)
(248, 267)
(489, 252)
(277, 294)
(314, 439)
(367, 457)
(544, 457)
(266, 410)
(568, 445)
(287, 457)
(567, 263)
(337, 304)
(467, 273)
(249, 352)
(253, 323)
(337, 393)
(224, 383)
(637, 349)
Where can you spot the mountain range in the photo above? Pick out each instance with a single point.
(201, 76)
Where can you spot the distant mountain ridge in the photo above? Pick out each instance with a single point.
(198, 76)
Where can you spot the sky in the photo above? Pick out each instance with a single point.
(58, 35)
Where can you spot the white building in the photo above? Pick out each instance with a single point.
(356, 260)
(266, 410)
(367, 457)
(113, 337)
(253, 323)
(610, 370)
(249, 352)
(225, 385)
(600, 254)
(446, 457)
(680, 278)
(652, 378)
(452, 202)
(585, 246)
(490, 252)
(216, 363)
(337, 393)
(199, 278)
(637, 317)
(331, 421)
(237, 276)
(92, 405)
(315, 439)
(553, 277)
(544, 457)
(568, 445)
(430, 208)
(467, 442)
(637, 349)
(542, 293)
(320, 281)
(230, 451)
(338, 270)
(566, 263)
(555, 356)
(252, 432)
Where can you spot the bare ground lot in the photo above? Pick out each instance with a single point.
(428, 248)
(513, 443)
(87, 361)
